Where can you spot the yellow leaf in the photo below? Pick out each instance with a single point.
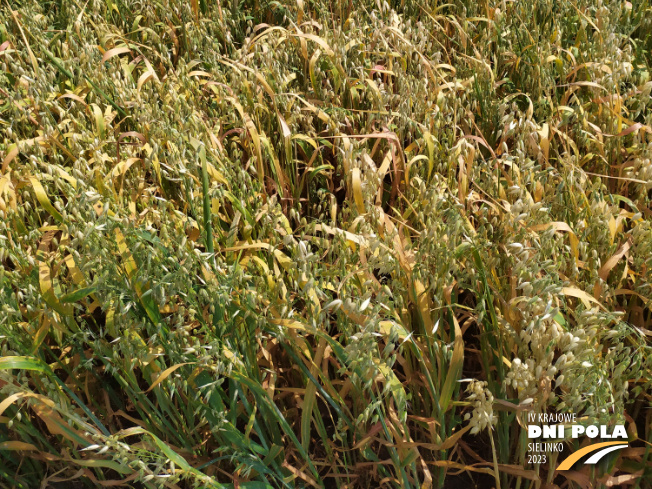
(581, 295)
(454, 369)
(612, 229)
(11, 399)
(265, 85)
(561, 226)
(603, 273)
(47, 290)
(115, 52)
(144, 78)
(544, 133)
(307, 139)
(41, 334)
(452, 440)
(7, 189)
(253, 132)
(193, 231)
(65, 175)
(292, 324)
(43, 199)
(318, 40)
(587, 84)
(166, 373)
(386, 327)
(311, 70)
(357, 190)
(110, 321)
(284, 127)
(13, 152)
(350, 237)
(376, 90)
(384, 166)
(283, 260)
(54, 423)
(18, 445)
(199, 73)
(538, 192)
(309, 398)
(100, 125)
(75, 97)
(423, 303)
(129, 262)
(122, 167)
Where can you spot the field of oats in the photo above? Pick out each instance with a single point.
(322, 243)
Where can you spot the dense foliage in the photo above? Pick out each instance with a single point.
(322, 243)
